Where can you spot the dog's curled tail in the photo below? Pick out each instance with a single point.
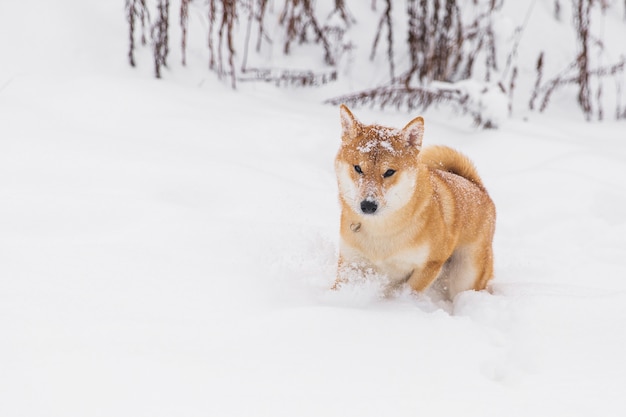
(447, 159)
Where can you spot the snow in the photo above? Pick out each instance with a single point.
(375, 144)
(167, 249)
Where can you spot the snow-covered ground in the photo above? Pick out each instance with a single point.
(167, 248)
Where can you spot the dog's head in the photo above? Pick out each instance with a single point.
(377, 166)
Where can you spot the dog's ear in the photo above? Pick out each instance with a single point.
(413, 133)
(349, 124)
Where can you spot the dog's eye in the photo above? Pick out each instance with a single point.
(358, 169)
(389, 173)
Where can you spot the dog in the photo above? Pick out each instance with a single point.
(412, 215)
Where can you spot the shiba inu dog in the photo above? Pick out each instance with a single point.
(416, 216)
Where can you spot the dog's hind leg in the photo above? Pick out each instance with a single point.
(484, 263)
(422, 278)
(471, 268)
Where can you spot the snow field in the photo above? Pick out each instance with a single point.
(162, 262)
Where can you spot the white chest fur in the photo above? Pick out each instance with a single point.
(395, 265)
(400, 265)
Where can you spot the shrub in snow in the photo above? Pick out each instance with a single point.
(432, 51)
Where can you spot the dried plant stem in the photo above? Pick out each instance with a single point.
(135, 9)
(582, 23)
(130, 17)
(244, 61)
(261, 35)
(511, 90)
(226, 31)
(184, 26)
(342, 10)
(289, 77)
(411, 98)
(535, 94)
(385, 20)
(211, 13)
(297, 16)
(160, 37)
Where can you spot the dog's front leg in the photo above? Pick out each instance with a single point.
(351, 263)
(351, 268)
(344, 268)
(340, 279)
(421, 278)
(337, 284)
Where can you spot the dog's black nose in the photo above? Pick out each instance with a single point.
(368, 207)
